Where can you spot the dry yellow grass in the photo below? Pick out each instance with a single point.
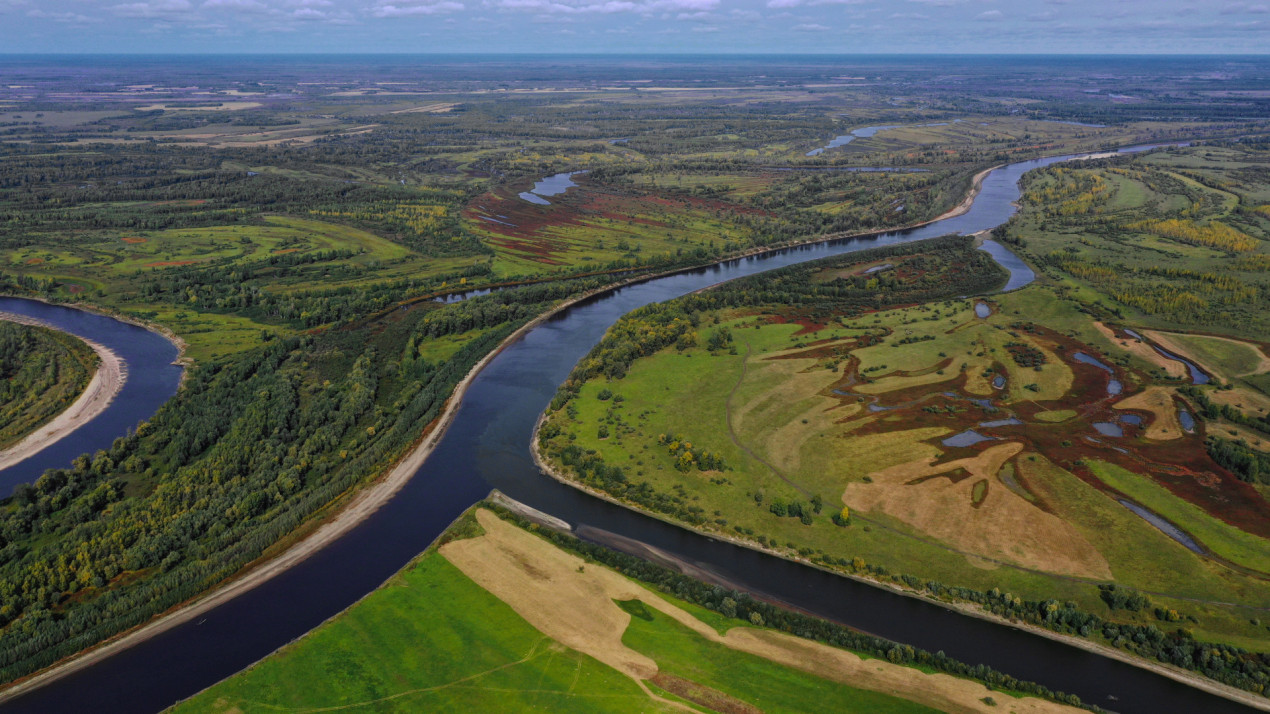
(574, 603)
(953, 371)
(1143, 351)
(772, 421)
(1226, 430)
(1159, 401)
(1004, 527)
(1244, 399)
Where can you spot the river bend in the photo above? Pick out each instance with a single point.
(487, 446)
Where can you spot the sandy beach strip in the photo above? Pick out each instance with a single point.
(100, 392)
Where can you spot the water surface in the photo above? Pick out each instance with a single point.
(487, 446)
(151, 379)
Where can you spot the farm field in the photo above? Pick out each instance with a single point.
(477, 622)
(42, 372)
(965, 442)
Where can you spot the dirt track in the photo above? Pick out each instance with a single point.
(100, 392)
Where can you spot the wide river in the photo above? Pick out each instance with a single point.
(487, 446)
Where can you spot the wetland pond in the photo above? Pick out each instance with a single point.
(551, 186)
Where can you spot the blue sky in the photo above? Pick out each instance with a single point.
(784, 26)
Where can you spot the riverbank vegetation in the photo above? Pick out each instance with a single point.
(324, 250)
(911, 437)
(42, 372)
(459, 627)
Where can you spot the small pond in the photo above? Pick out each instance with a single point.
(1109, 428)
(1188, 421)
(1113, 386)
(969, 437)
(550, 186)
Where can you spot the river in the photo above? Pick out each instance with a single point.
(487, 446)
(152, 379)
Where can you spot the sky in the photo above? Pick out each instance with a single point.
(637, 26)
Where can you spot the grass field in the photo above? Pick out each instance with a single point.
(1224, 357)
(124, 255)
(855, 411)
(433, 639)
(1223, 539)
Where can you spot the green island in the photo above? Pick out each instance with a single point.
(42, 372)
(501, 614)
(1027, 454)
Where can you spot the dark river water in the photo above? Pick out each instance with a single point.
(487, 446)
(151, 380)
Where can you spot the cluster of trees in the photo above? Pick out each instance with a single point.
(41, 372)
(1025, 355)
(248, 450)
(1214, 234)
(796, 509)
(589, 468)
(686, 459)
(1240, 459)
(1212, 410)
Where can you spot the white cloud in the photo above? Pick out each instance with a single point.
(811, 27)
(436, 8)
(1240, 8)
(155, 8)
(67, 17)
(235, 5)
(990, 15)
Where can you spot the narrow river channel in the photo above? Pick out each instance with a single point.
(487, 446)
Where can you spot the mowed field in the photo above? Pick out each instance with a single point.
(809, 418)
(499, 619)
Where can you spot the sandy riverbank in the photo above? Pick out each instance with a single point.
(100, 392)
(367, 501)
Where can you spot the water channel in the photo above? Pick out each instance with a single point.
(487, 447)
